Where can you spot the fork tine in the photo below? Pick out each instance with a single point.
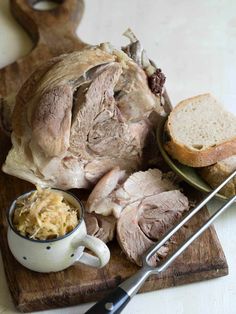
(194, 236)
(173, 230)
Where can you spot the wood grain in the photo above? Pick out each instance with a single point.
(53, 33)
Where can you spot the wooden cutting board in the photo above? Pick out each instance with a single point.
(53, 33)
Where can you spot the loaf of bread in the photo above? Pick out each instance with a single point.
(217, 173)
(200, 132)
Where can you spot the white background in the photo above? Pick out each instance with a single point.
(194, 42)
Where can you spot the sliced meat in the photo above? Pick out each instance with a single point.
(142, 223)
(105, 201)
(99, 200)
(100, 226)
(147, 204)
(142, 184)
(131, 239)
(160, 212)
(133, 242)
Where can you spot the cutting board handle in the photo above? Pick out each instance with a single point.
(63, 19)
(53, 32)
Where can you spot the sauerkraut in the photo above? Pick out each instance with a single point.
(44, 214)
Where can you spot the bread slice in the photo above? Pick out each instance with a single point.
(217, 173)
(200, 132)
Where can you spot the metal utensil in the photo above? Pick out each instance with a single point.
(119, 298)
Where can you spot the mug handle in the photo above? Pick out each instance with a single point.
(98, 247)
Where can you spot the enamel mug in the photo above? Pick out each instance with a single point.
(59, 253)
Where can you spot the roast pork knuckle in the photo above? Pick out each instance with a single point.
(80, 115)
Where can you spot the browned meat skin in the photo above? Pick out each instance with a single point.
(79, 116)
(144, 222)
(102, 227)
(53, 116)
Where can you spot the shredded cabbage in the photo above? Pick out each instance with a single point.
(44, 214)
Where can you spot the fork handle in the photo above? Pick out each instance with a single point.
(115, 302)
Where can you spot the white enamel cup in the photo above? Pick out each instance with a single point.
(60, 253)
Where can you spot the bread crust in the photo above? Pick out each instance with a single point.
(216, 174)
(196, 158)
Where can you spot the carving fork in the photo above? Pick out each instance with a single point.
(119, 298)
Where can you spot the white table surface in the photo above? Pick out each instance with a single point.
(194, 42)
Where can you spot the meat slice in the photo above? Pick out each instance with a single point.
(100, 200)
(131, 239)
(160, 212)
(142, 184)
(112, 200)
(147, 204)
(142, 223)
(100, 226)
